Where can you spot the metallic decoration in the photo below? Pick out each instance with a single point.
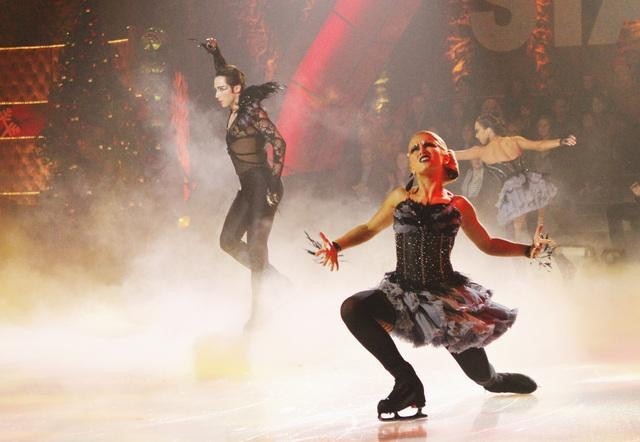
(461, 45)
(8, 127)
(381, 91)
(153, 39)
(254, 30)
(540, 42)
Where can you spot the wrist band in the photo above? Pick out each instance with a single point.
(336, 246)
(527, 251)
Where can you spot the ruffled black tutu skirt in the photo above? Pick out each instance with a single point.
(457, 314)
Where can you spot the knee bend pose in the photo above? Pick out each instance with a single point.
(425, 301)
(249, 129)
(523, 190)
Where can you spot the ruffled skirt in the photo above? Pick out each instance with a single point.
(457, 315)
(523, 193)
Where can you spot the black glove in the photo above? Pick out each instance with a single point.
(275, 190)
(210, 45)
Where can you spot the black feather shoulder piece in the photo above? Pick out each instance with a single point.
(252, 96)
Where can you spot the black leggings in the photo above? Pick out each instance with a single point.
(616, 214)
(250, 214)
(361, 313)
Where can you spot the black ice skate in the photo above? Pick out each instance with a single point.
(407, 392)
(511, 383)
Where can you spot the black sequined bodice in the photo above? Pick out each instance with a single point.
(425, 235)
(507, 169)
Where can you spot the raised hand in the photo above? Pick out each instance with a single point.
(210, 44)
(568, 141)
(541, 243)
(326, 251)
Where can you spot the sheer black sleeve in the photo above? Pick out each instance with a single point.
(269, 131)
(219, 62)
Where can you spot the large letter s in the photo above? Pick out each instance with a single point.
(508, 37)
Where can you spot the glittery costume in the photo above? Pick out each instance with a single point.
(433, 303)
(523, 190)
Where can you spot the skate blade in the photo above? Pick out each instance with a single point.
(397, 417)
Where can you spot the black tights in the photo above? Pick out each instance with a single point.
(361, 313)
(250, 214)
(616, 214)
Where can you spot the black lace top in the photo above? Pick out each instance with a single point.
(252, 128)
(246, 139)
(425, 235)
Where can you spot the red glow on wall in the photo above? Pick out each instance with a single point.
(180, 121)
(335, 75)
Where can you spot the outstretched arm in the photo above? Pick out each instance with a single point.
(270, 132)
(543, 145)
(211, 45)
(362, 233)
(469, 154)
(481, 238)
(380, 221)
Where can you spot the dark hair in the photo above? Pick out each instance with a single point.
(452, 170)
(492, 121)
(549, 119)
(232, 75)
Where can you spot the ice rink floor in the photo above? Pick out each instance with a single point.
(168, 362)
(573, 403)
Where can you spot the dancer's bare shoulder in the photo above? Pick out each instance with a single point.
(396, 196)
(510, 146)
(461, 203)
(501, 149)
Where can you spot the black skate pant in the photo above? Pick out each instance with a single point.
(249, 214)
(362, 313)
(616, 214)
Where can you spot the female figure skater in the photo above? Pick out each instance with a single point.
(248, 130)
(424, 300)
(523, 191)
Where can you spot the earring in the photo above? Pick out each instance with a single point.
(410, 183)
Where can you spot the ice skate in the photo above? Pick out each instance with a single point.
(407, 392)
(511, 383)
